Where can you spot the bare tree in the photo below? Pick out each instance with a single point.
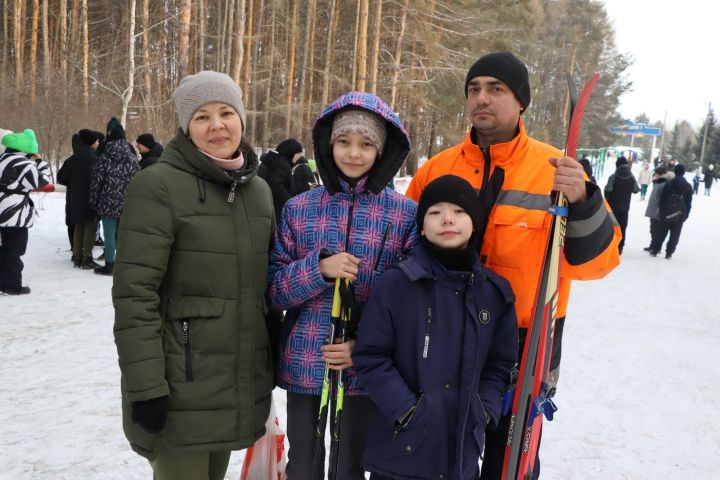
(362, 45)
(328, 52)
(33, 49)
(398, 54)
(239, 48)
(377, 22)
(128, 93)
(184, 37)
(291, 68)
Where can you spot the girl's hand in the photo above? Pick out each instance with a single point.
(337, 355)
(340, 265)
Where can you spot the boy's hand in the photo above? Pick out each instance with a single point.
(338, 354)
(340, 265)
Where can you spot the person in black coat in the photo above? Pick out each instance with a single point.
(620, 187)
(149, 149)
(678, 186)
(302, 176)
(277, 172)
(76, 174)
(585, 162)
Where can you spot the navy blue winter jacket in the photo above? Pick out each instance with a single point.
(444, 342)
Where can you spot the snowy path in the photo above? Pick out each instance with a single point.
(638, 394)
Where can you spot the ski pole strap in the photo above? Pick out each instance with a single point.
(507, 401)
(559, 210)
(542, 404)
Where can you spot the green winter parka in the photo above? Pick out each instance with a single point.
(189, 296)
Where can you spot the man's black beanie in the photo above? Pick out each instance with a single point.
(451, 189)
(505, 67)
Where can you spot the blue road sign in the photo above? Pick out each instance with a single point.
(630, 128)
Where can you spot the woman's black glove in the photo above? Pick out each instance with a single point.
(151, 414)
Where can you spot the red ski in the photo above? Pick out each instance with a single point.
(530, 401)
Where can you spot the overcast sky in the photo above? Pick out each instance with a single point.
(675, 46)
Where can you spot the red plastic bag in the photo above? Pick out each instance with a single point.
(266, 459)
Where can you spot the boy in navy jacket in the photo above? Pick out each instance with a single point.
(436, 346)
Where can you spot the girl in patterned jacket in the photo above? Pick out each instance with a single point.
(352, 227)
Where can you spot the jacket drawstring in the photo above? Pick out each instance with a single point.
(202, 195)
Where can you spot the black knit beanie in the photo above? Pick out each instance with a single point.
(146, 139)
(88, 137)
(621, 161)
(451, 189)
(505, 67)
(289, 148)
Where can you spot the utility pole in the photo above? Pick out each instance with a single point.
(707, 124)
(662, 140)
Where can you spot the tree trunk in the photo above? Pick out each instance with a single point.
(47, 61)
(201, 35)
(353, 60)
(270, 77)
(63, 42)
(257, 50)
(239, 46)
(328, 53)
(362, 45)
(85, 55)
(374, 59)
(184, 38)
(398, 54)
(291, 67)
(33, 50)
(18, 42)
(248, 55)
(128, 93)
(307, 75)
(147, 81)
(229, 34)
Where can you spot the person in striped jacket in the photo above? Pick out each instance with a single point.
(21, 171)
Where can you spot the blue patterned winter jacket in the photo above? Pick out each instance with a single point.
(381, 226)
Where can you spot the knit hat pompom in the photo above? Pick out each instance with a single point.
(206, 87)
(362, 122)
(450, 189)
(505, 67)
(24, 141)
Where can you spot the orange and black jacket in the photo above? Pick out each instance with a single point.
(519, 224)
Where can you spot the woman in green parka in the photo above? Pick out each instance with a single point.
(189, 291)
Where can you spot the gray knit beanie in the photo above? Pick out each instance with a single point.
(206, 87)
(361, 122)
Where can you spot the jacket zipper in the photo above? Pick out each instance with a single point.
(349, 223)
(428, 324)
(486, 167)
(382, 246)
(231, 195)
(185, 341)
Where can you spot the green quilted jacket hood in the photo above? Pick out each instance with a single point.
(189, 296)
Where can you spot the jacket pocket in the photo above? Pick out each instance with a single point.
(520, 237)
(406, 441)
(185, 342)
(185, 321)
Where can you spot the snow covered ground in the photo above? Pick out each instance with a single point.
(639, 394)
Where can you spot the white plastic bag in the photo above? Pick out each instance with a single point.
(266, 459)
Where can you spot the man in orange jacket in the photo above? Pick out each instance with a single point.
(514, 175)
